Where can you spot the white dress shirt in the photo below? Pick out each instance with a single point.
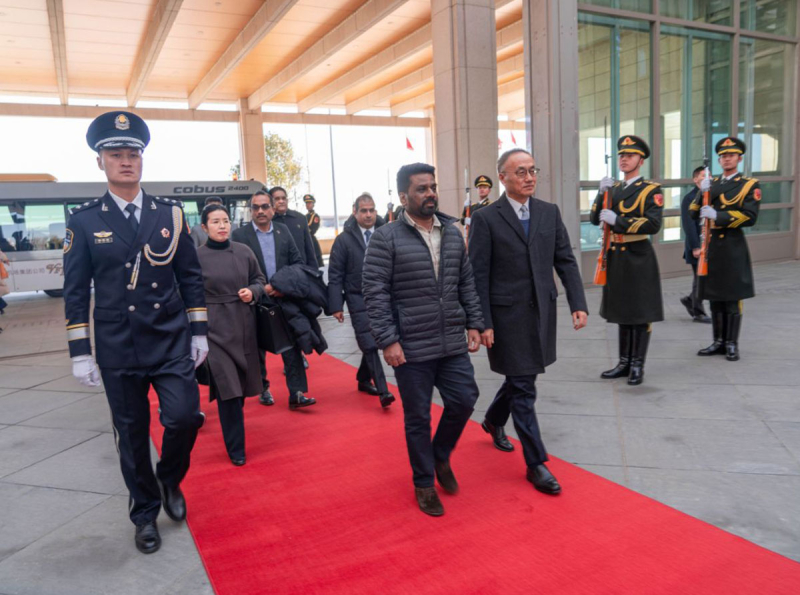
(632, 180)
(364, 230)
(122, 203)
(518, 205)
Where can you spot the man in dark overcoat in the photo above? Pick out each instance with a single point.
(296, 223)
(514, 245)
(691, 249)
(344, 283)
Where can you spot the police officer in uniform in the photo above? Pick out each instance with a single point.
(484, 186)
(632, 293)
(313, 225)
(735, 200)
(150, 319)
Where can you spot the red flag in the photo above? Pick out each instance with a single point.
(513, 140)
(408, 144)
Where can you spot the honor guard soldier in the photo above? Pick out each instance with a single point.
(150, 320)
(734, 202)
(484, 186)
(313, 225)
(632, 293)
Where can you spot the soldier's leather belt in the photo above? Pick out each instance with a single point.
(621, 238)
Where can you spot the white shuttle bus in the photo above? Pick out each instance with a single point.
(34, 210)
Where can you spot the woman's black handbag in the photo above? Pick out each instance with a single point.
(274, 334)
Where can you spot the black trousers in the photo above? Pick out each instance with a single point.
(455, 379)
(179, 399)
(697, 303)
(517, 398)
(372, 370)
(262, 364)
(231, 419)
(734, 307)
(296, 380)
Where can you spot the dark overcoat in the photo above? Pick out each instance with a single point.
(297, 224)
(730, 273)
(690, 226)
(632, 293)
(233, 348)
(515, 282)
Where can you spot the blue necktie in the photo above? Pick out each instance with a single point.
(525, 219)
(367, 235)
(131, 208)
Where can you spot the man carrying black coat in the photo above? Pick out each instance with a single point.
(691, 250)
(514, 246)
(344, 283)
(425, 315)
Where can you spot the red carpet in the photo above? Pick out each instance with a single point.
(325, 504)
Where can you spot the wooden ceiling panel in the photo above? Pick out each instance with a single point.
(35, 13)
(119, 10)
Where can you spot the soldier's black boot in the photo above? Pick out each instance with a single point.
(641, 340)
(733, 324)
(624, 365)
(718, 329)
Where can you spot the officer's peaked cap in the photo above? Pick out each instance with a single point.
(117, 129)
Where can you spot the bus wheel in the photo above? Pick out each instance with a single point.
(57, 293)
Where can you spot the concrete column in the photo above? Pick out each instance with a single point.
(251, 144)
(465, 90)
(550, 34)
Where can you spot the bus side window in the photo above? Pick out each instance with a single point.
(38, 226)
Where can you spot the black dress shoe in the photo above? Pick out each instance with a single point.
(147, 538)
(299, 400)
(428, 501)
(387, 399)
(445, 476)
(368, 387)
(238, 461)
(687, 303)
(543, 480)
(266, 398)
(173, 502)
(701, 318)
(498, 433)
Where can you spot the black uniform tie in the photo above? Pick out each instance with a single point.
(131, 208)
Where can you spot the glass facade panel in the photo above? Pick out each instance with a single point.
(635, 5)
(671, 230)
(778, 17)
(766, 106)
(695, 98)
(774, 192)
(591, 236)
(719, 12)
(772, 221)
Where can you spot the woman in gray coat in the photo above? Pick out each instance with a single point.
(233, 283)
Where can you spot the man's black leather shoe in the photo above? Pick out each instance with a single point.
(428, 501)
(298, 400)
(701, 318)
(386, 399)
(543, 480)
(266, 398)
(501, 441)
(368, 387)
(173, 502)
(147, 538)
(446, 477)
(238, 461)
(686, 302)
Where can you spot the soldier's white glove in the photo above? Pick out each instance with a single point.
(606, 183)
(199, 349)
(608, 216)
(467, 220)
(708, 212)
(705, 184)
(85, 370)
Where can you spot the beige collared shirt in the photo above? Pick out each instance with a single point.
(432, 239)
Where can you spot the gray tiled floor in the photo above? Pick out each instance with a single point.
(717, 440)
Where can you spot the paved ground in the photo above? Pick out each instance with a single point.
(717, 440)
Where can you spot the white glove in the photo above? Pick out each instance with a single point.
(705, 184)
(85, 370)
(199, 349)
(608, 216)
(467, 220)
(606, 183)
(708, 212)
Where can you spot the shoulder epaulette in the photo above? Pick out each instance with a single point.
(715, 179)
(168, 201)
(87, 205)
(749, 178)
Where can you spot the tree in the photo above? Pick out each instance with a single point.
(283, 167)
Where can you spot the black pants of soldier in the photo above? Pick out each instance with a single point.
(454, 376)
(634, 340)
(517, 398)
(231, 419)
(726, 323)
(179, 401)
(372, 370)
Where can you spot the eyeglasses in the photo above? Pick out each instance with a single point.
(261, 207)
(524, 173)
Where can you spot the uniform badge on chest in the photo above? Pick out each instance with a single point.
(165, 233)
(103, 237)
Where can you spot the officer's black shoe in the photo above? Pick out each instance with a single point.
(687, 303)
(718, 330)
(173, 501)
(625, 342)
(386, 399)
(238, 461)
(266, 398)
(428, 501)
(368, 387)
(147, 538)
(733, 325)
(446, 477)
(298, 400)
(499, 438)
(641, 340)
(543, 480)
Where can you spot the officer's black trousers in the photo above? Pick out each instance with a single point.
(231, 419)
(517, 398)
(726, 307)
(126, 390)
(455, 378)
(372, 370)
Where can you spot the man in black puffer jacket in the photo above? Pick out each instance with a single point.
(425, 314)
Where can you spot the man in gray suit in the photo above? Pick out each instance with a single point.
(515, 243)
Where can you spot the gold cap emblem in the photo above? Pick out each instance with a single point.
(121, 122)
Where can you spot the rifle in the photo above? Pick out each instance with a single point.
(466, 208)
(600, 272)
(705, 234)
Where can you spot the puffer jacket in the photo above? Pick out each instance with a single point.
(407, 303)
